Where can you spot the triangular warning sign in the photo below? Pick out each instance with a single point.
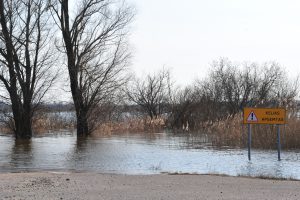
(252, 117)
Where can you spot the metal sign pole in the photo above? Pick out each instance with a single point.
(278, 141)
(249, 141)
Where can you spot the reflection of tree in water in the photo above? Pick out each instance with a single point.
(21, 154)
(148, 137)
(78, 154)
(81, 144)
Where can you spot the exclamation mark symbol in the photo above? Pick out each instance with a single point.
(252, 116)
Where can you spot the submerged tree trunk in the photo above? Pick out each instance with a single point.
(22, 118)
(82, 124)
(27, 125)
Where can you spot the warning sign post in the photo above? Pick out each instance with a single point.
(264, 116)
(275, 116)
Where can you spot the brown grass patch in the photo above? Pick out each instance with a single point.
(44, 122)
(131, 126)
(231, 132)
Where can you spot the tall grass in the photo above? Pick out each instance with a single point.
(227, 132)
(231, 132)
(131, 126)
(44, 122)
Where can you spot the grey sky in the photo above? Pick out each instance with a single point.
(187, 36)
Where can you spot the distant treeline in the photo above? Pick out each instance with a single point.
(226, 90)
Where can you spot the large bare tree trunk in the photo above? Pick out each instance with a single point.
(95, 47)
(25, 57)
(82, 124)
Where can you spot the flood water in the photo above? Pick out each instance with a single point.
(141, 154)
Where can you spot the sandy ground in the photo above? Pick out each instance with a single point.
(49, 185)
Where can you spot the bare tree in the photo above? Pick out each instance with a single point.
(231, 87)
(150, 94)
(95, 44)
(246, 85)
(287, 91)
(183, 105)
(269, 79)
(25, 59)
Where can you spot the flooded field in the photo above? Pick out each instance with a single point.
(142, 154)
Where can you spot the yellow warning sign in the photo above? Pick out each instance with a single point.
(264, 116)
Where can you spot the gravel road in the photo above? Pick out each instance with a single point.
(54, 185)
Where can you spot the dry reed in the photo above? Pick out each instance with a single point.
(130, 126)
(44, 122)
(231, 132)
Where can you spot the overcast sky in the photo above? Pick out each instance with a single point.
(187, 36)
